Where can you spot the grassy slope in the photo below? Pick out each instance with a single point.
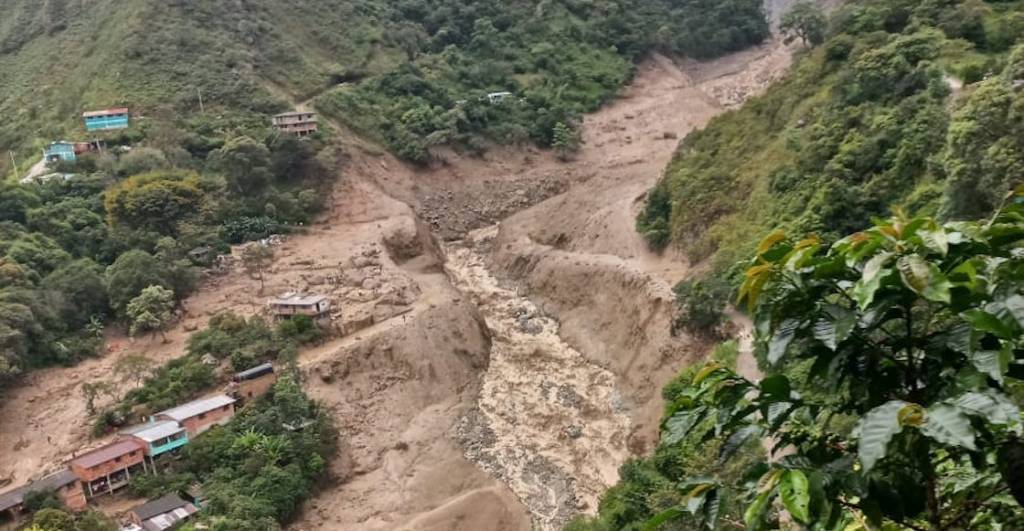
(63, 57)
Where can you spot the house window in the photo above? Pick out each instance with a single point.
(202, 416)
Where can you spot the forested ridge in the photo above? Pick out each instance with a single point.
(870, 121)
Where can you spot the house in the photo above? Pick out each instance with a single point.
(64, 484)
(162, 513)
(252, 383)
(291, 304)
(296, 123)
(60, 150)
(498, 97)
(109, 467)
(200, 415)
(103, 120)
(158, 437)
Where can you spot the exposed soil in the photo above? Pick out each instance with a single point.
(498, 387)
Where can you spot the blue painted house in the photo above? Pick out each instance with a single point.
(106, 119)
(58, 151)
(158, 437)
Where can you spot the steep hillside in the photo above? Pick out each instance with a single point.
(872, 121)
(408, 65)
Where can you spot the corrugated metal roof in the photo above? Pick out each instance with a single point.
(196, 407)
(161, 505)
(106, 453)
(293, 113)
(296, 299)
(15, 497)
(258, 370)
(105, 112)
(154, 431)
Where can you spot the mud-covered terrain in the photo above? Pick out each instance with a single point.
(498, 378)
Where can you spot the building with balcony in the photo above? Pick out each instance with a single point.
(158, 437)
(109, 467)
(292, 304)
(296, 123)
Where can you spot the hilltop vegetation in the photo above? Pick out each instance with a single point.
(406, 63)
(865, 124)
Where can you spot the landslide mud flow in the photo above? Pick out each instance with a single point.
(549, 423)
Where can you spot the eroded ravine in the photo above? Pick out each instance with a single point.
(548, 423)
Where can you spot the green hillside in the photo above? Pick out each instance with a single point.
(864, 125)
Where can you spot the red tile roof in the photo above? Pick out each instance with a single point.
(107, 453)
(104, 112)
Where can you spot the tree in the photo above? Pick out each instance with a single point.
(895, 370)
(246, 165)
(151, 311)
(134, 367)
(53, 520)
(141, 160)
(565, 140)
(256, 258)
(805, 21)
(132, 272)
(93, 390)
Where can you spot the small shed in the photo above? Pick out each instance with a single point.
(162, 513)
(252, 383)
(60, 150)
(498, 97)
(292, 304)
(102, 120)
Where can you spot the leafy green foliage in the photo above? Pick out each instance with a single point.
(700, 303)
(151, 310)
(806, 21)
(875, 405)
(862, 126)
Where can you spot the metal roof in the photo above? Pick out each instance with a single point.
(105, 112)
(154, 431)
(297, 299)
(106, 453)
(258, 370)
(16, 497)
(196, 407)
(161, 505)
(293, 113)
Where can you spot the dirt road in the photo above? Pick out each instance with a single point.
(455, 414)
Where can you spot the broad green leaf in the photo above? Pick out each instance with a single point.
(877, 428)
(949, 425)
(696, 496)
(991, 406)
(775, 388)
(677, 427)
(796, 497)
(769, 241)
(704, 372)
(986, 322)
(924, 278)
(1015, 305)
(935, 240)
(755, 511)
(712, 507)
(871, 279)
(835, 326)
(993, 363)
(736, 440)
(783, 336)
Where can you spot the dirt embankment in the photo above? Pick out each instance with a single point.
(467, 403)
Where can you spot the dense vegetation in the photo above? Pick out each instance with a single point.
(891, 400)
(76, 253)
(556, 58)
(864, 124)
